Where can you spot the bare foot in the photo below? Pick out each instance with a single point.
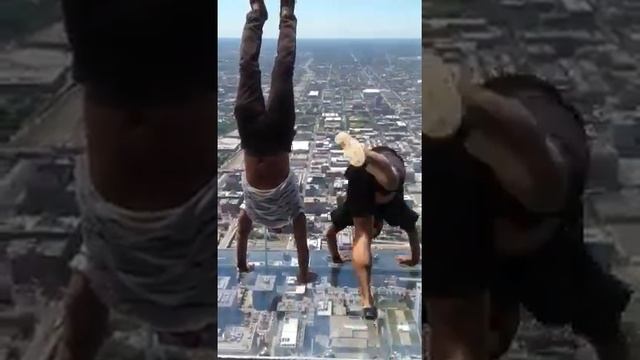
(258, 5)
(287, 6)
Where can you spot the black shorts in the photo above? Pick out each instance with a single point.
(396, 213)
(360, 202)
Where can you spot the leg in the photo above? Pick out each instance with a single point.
(281, 99)
(244, 229)
(85, 321)
(250, 106)
(361, 205)
(388, 173)
(362, 257)
(332, 240)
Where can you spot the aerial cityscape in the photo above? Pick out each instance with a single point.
(589, 49)
(266, 313)
(370, 88)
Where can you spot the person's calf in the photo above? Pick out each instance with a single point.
(362, 265)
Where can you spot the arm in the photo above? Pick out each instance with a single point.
(300, 236)
(382, 170)
(414, 243)
(542, 180)
(458, 251)
(244, 229)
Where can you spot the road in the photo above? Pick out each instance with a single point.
(60, 124)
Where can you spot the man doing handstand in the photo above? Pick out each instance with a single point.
(271, 190)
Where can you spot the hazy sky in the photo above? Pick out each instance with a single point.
(331, 19)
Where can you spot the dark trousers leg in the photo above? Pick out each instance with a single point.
(281, 103)
(250, 107)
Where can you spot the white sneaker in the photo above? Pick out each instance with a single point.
(353, 150)
(441, 103)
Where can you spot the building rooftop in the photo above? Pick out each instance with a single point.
(31, 66)
(54, 35)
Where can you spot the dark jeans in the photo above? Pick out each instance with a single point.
(266, 130)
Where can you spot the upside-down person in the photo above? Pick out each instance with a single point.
(146, 186)
(271, 190)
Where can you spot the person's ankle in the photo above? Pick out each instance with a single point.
(259, 6)
(287, 7)
(367, 304)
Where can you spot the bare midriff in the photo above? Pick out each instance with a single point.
(266, 172)
(151, 158)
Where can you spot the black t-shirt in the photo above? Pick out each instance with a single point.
(363, 186)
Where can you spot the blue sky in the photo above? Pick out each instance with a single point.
(332, 19)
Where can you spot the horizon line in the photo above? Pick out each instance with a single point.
(319, 38)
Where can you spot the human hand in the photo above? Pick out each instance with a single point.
(407, 260)
(306, 277)
(245, 268)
